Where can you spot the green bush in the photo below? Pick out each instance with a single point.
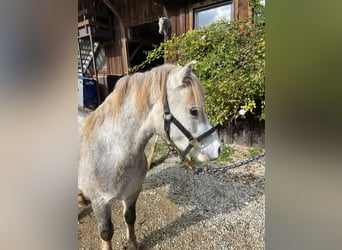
(230, 63)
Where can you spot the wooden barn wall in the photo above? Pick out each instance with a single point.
(135, 12)
(241, 9)
(113, 50)
(179, 14)
(114, 58)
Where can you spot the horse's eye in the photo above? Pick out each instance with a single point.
(194, 111)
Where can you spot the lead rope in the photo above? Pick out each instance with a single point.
(228, 167)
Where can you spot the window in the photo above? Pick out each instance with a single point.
(207, 15)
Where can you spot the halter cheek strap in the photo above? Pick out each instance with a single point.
(193, 141)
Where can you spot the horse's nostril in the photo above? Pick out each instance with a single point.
(219, 150)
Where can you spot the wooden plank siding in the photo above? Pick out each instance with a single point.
(241, 9)
(135, 12)
(114, 59)
(114, 53)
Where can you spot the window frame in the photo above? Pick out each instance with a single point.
(198, 9)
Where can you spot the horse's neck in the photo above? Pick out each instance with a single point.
(133, 131)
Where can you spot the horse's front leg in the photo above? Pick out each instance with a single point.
(130, 216)
(103, 214)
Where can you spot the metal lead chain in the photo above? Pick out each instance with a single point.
(228, 167)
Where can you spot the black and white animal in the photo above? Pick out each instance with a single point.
(164, 27)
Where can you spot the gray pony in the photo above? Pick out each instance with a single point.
(112, 162)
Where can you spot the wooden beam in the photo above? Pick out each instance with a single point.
(94, 23)
(83, 23)
(112, 8)
(83, 12)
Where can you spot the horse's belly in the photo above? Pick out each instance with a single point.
(110, 179)
(127, 186)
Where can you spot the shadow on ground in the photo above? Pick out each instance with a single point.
(205, 196)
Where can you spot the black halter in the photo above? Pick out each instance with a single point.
(193, 141)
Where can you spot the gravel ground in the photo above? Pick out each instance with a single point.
(179, 210)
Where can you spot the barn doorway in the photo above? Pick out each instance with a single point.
(143, 38)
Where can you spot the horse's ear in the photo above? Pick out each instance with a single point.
(186, 71)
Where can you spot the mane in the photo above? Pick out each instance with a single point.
(147, 88)
(194, 92)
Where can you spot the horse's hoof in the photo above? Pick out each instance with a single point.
(106, 245)
(132, 246)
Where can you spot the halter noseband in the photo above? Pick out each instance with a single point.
(193, 141)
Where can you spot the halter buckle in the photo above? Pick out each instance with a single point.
(194, 142)
(167, 117)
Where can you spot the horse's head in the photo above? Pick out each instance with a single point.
(161, 24)
(183, 99)
(164, 26)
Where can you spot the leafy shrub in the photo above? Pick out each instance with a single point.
(230, 59)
